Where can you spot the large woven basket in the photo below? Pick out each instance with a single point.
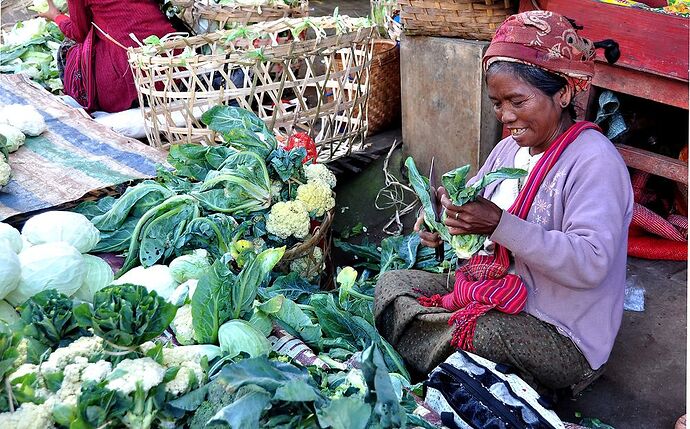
(384, 86)
(207, 16)
(467, 19)
(284, 80)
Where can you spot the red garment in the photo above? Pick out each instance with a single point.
(97, 73)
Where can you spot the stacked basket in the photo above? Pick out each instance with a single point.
(468, 19)
(282, 70)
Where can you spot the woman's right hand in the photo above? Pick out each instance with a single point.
(429, 239)
(51, 13)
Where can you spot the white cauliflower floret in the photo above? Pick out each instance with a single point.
(288, 218)
(70, 389)
(320, 173)
(317, 197)
(29, 416)
(127, 373)
(309, 267)
(189, 376)
(5, 173)
(25, 118)
(182, 325)
(82, 347)
(176, 356)
(97, 371)
(15, 138)
(26, 368)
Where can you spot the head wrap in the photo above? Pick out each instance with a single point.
(546, 40)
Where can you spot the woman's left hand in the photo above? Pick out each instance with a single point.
(51, 13)
(478, 217)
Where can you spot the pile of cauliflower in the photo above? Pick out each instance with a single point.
(16, 122)
(314, 199)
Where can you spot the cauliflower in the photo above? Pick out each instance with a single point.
(310, 266)
(288, 218)
(317, 198)
(83, 347)
(25, 118)
(189, 376)
(29, 416)
(70, 389)
(5, 173)
(23, 351)
(97, 371)
(320, 173)
(177, 356)
(182, 325)
(15, 138)
(127, 373)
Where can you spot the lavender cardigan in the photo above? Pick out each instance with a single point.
(571, 251)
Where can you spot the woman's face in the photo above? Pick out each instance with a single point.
(533, 118)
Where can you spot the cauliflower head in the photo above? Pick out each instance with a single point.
(97, 371)
(289, 218)
(15, 138)
(29, 416)
(5, 173)
(310, 266)
(317, 197)
(189, 376)
(83, 347)
(182, 325)
(320, 173)
(127, 373)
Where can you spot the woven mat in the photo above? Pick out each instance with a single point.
(75, 157)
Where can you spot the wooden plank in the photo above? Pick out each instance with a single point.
(644, 85)
(654, 163)
(652, 42)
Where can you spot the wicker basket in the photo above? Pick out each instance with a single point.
(468, 19)
(284, 82)
(384, 86)
(206, 16)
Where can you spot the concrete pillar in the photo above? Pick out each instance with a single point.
(446, 112)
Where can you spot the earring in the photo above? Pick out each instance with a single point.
(564, 104)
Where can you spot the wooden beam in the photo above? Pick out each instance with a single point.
(654, 163)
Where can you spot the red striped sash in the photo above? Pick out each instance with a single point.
(483, 283)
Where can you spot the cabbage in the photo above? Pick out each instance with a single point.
(238, 336)
(25, 117)
(191, 266)
(154, 278)
(98, 275)
(15, 138)
(48, 266)
(10, 269)
(13, 237)
(184, 292)
(41, 6)
(72, 228)
(8, 314)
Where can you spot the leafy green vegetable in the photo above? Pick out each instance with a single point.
(9, 341)
(213, 233)
(454, 181)
(288, 163)
(126, 315)
(288, 315)
(241, 129)
(237, 336)
(195, 161)
(292, 286)
(387, 410)
(246, 409)
(345, 413)
(48, 318)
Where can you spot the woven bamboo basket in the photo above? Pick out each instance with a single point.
(467, 19)
(283, 79)
(319, 237)
(206, 16)
(384, 86)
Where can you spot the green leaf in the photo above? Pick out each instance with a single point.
(292, 286)
(345, 413)
(48, 318)
(288, 163)
(288, 314)
(250, 279)
(420, 184)
(152, 40)
(297, 391)
(211, 303)
(387, 409)
(246, 410)
(195, 161)
(212, 232)
(134, 202)
(241, 129)
(126, 315)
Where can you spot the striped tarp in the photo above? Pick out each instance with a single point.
(74, 157)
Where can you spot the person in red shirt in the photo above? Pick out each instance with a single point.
(96, 72)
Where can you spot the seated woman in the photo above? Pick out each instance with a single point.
(553, 314)
(96, 71)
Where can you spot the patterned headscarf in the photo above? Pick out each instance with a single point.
(546, 40)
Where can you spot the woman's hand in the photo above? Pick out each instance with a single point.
(52, 11)
(429, 239)
(478, 217)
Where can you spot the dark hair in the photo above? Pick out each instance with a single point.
(547, 82)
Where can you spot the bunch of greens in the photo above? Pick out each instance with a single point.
(30, 48)
(126, 316)
(464, 245)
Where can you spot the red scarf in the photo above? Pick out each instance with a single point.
(482, 283)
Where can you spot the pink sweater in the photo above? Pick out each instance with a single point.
(572, 250)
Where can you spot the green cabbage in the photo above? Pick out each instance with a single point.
(12, 236)
(10, 269)
(238, 336)
(54, 226)
(56, 266)
(97, 276)
(154, 278)
(191, 266)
